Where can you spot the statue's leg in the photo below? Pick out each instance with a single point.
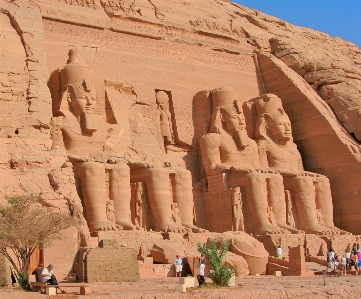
(120, 193)
(183, 195)
(92, 178)
(256, 198)
(159, 196)
(324, 202)
(277, 200)
(304, 193)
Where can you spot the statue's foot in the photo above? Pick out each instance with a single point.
(176, 228)
(107, 226)
(127, 225)
(323, 231)
(271, 230)
(339, 231)
(291, 229)
(195, 229)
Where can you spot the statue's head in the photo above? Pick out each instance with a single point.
(272, 120)
(80, 92)
(162, 98)
(226, 112)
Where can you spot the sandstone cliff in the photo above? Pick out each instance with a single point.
(181, 47)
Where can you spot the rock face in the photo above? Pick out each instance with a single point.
(115, 111)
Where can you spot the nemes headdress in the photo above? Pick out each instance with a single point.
(267, 104)
(77, 74)
(222, 98)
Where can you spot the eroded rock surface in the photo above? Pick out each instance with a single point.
(149, 67)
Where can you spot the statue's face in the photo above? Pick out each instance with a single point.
(280, 128)
(233, 121)
(84, 104)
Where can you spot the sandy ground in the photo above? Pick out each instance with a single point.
(249, 287)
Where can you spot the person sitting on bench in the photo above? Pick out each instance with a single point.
(47, 273)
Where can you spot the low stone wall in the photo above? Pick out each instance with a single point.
(110, 265)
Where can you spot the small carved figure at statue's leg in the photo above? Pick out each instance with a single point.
(277, 199)
(183, 196)
(324, 202)
(159, 197)
(92, 178)
(306, 205)
(256, 197)
(120, 193)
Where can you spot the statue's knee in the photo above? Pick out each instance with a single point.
(121, 170)
(276, 180)
(158, 173)
(183, 175)
(92, 168)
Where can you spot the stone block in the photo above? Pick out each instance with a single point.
(85, 290)
(181, 288)
(51, 291)
(232, 281)
(189, 282)
(278, 273)
(108, 243)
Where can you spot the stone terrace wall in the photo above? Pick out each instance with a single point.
(109, 264)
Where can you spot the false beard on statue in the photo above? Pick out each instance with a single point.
(241, 139)
(88, 122)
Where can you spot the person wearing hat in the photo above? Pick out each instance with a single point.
(47, 273)
(178, 266)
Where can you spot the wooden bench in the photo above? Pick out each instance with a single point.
(51, 289)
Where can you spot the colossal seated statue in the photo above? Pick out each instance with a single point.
(228, 149)
(310, 191)
(83, 135)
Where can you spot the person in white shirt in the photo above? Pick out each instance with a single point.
(47, 273)
(279, 252)
(178, 266)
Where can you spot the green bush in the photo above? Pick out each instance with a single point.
(23, 281)
(220, 273)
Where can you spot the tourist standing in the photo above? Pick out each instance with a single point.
(348, 259)
(178, 266)
(331, 260)
(279, 252)
(344, 265)
(201, 266)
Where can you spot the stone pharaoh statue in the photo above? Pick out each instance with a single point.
(228, 149)
(83, 136)
(312, 193)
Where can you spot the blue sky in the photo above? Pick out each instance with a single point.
(335, 17)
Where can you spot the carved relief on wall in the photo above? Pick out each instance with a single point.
(82, 3)
(165, 116)
(132, 8)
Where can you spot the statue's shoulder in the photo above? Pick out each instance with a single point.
(210, 138)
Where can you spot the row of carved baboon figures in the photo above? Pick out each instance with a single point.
(258, 170)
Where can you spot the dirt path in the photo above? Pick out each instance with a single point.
(249, 287)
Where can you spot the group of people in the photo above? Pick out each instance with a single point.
(43, 274)
(178, 262)
(351, 258)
